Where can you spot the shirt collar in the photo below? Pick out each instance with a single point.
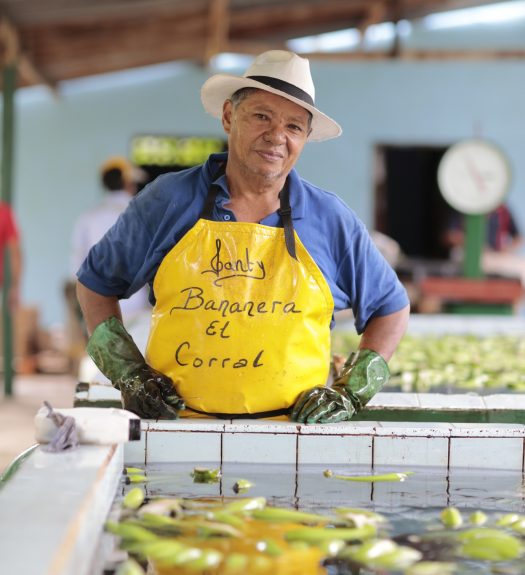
(297, 196)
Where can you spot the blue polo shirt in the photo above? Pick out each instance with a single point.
(128, 256)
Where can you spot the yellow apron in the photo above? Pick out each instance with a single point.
(239, 325)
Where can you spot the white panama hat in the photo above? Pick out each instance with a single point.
(279, 72)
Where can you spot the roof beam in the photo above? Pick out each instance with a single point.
(218, 29)
(437, 55)
(72, 12)
(377, 13)
(295, 19)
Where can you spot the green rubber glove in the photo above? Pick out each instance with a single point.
(363, 375)
(144, 390)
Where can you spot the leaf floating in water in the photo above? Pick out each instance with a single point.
(369, 478)
(205, 475)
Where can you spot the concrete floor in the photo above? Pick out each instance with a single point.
(18, 411)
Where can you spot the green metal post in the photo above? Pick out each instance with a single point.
(475, 233)
(9, 87)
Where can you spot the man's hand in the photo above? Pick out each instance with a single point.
(322, 405)
(150, 394)
(145, 391)
(362, 376)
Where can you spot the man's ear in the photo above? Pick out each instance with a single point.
(227, 110)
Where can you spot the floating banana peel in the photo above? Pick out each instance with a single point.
(369, 478)
(205, 475)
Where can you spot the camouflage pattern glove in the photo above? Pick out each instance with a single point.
(144, 390)
(363, 375)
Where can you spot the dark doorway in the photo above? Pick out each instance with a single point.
(409, 206)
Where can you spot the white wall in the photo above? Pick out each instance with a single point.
(61, 143)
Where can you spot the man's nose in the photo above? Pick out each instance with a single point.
(276, 133)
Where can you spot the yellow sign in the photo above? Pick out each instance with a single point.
(173, 151)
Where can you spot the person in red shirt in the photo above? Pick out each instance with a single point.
(503, 234)
(10, 243)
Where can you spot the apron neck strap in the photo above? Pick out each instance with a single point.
(213, 190)
(284, 211)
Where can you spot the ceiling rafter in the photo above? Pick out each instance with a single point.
(471, 55)
(218, 29)
(296, 19)
(71, 12)
(377, 13)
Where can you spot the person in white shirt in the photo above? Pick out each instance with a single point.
(120, 179)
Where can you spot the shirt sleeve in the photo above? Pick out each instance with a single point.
(371, 284)
(357, 273)
(121, 263)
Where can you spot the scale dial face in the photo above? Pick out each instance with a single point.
(474, 176)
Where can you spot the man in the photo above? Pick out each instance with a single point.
(10, 244)
(248, 263)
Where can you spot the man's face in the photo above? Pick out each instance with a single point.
(266, 134)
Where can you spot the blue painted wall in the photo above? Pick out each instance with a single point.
(61, 143)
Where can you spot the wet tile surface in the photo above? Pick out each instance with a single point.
(259, 447)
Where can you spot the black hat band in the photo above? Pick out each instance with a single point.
(286, 87)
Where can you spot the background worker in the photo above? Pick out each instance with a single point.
(119, 178)
(248, 263)
(503, 240)
(10, 243)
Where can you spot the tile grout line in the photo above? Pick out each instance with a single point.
(298, 431)
(296, 491)
(221, 450)
(146, 446)
(373, 456)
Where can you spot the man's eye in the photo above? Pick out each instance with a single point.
(296, 128)
(261, 116)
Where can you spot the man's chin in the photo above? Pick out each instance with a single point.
(269, 174)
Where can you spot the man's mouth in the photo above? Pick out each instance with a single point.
(269, 155)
